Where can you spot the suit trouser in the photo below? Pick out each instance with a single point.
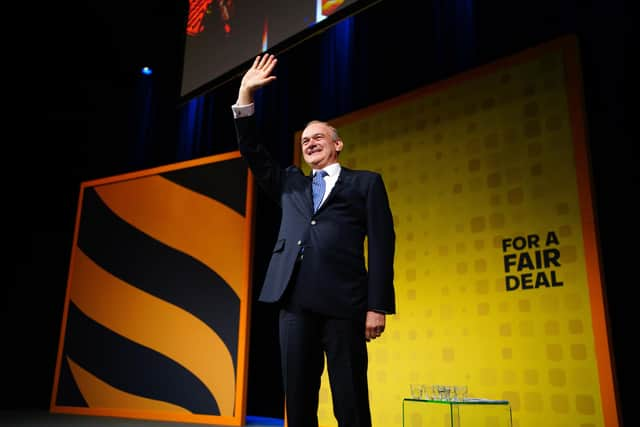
(305, 339)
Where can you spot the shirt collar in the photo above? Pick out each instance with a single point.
(333, 169)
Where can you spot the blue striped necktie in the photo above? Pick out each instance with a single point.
(318, 187)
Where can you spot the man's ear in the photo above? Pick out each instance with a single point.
(339, 145)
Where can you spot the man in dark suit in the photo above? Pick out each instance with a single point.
(331, 302)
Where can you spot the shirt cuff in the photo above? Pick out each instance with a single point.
(242, 110)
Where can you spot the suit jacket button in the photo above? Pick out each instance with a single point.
(313, 222)
(299, 242)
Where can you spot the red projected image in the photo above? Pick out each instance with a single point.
(199, 8)
(330, 6)
(226, 9)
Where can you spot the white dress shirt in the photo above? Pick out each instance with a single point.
(333, 172)
(242, 110)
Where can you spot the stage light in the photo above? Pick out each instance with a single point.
(146, 71)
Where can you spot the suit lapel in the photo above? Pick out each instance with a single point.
(300, 189)
(309, 193)
(343, 180)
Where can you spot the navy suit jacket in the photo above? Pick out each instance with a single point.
(332, 277)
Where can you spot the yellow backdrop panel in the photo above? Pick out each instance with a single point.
(497, 275)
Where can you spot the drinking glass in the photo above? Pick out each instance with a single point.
(460, 392)
(417, 391)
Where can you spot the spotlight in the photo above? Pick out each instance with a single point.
(146, 71)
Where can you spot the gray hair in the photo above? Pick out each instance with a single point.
(334, 131)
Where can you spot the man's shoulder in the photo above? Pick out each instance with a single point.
(293, 170)
(364, 173)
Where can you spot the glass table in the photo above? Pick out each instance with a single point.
(468, 413)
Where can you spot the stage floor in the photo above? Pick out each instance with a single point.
(35, 418)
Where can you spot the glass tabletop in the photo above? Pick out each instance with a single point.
(467, 401)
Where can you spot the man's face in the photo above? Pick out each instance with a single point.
(318, 147)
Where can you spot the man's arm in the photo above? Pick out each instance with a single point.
(381, 253)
